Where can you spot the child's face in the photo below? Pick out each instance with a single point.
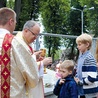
(82, 47)
(64, 72)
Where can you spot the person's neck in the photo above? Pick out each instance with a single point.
(6, 28)
(84, 52)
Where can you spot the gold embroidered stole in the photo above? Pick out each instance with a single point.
(5, 66)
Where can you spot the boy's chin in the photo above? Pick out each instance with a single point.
(63, 77)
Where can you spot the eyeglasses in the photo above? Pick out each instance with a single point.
(33, 33)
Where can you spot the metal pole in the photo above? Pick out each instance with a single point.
(91, 8)
(82, 21)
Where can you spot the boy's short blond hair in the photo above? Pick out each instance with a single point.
(84, 38)
(67, 64)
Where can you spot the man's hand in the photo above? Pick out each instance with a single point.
(47, 61)
(38, 55)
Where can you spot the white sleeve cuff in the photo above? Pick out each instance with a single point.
(34, 56)
(41, 70)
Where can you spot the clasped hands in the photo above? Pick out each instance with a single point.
(46, 60)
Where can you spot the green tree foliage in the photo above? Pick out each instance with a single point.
(25, 10)
(54, 13)
(92, 15)
(74, 20)
(10, 4)
(35, 10)
(25, 14)
(3, 3)
(28, 11)
(17, 8)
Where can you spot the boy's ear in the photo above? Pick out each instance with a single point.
(70, 72)
(87, 44)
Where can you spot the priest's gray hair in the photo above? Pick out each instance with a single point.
(29, 24)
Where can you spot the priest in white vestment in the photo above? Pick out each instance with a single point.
(29, 33)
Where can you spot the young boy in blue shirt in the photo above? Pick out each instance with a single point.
(86, 76)
(66, 87)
